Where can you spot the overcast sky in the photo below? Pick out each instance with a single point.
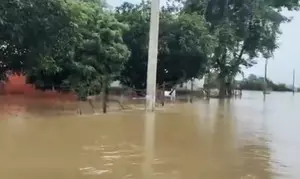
(286, 58)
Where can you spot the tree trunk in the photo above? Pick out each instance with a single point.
(187, 95)
(207, 85)
(229, 89)
(121, 101)
(1, 87)
(90, 101)
(192, 90)
(105, 95)
(163, 95)
(222, 87)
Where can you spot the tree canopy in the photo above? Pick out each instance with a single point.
(245, 30)
(32, 32)
(256, 83)
(184, 45)
(83, 45)
(68, 45)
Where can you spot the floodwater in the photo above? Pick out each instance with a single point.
(233, 139)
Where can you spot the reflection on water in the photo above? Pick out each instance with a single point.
(231, 139)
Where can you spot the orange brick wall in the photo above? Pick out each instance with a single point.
(16, 85)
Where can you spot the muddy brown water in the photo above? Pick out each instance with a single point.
(233, 139)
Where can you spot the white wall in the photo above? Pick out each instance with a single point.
(198, 83)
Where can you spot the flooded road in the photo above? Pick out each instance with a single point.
(233, 139)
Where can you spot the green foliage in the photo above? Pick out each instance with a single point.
(101, 55)
(257, 84)
(66, 45)
(184, 45)
(245, 30)
(32, 31)
(136, 38)
(81, 45)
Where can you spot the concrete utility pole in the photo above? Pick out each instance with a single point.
(266, 78)
(294, 82)
(149, 146)
(152, 56)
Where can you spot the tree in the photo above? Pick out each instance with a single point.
(61, 44)
(245, 30)
(32, 32)
(184, 45)
(256, 83)
(55, 73)
(99, 59)
(135, 37)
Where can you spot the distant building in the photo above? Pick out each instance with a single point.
(116, 84)
(198, 84)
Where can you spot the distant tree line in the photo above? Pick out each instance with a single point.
(256, 83)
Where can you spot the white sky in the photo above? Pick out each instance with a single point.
(280, 68)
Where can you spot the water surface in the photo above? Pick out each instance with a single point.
(233, 139)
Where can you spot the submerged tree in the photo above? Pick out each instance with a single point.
(253, 82)
(65, 45)
(184, 45)
(32, 32)
(245, 30)
(100, 57)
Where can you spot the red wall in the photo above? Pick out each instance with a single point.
(16, 85)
